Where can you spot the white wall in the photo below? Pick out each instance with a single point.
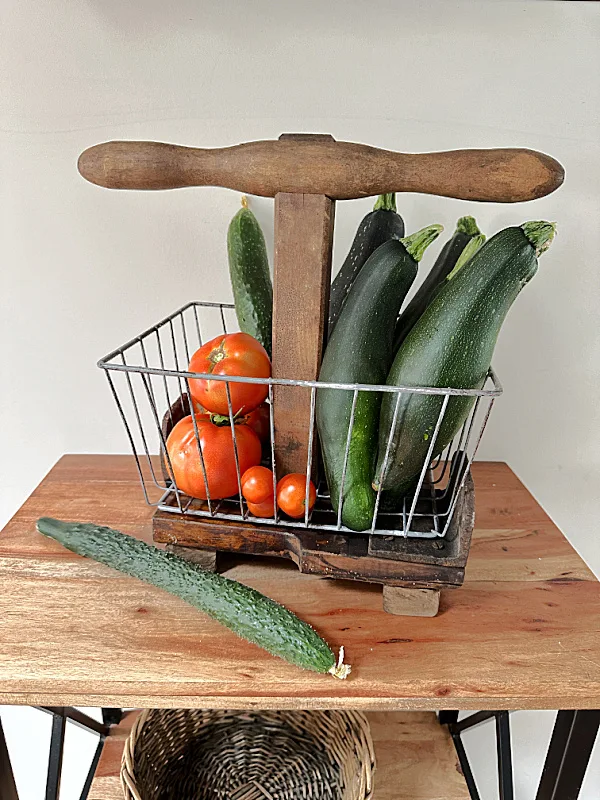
(85, 269)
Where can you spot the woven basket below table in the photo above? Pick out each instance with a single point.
(248, 755)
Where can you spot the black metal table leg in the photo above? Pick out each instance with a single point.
(448, 717)
(503, 748)
(568, 755)
(57, 742)
(465, 766)
(92, 770)
(8, 788)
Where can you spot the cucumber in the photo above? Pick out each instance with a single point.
(243, 610)
(451, 345)
(466, 229)
(250, 276)
(380, 225)
(360, 351)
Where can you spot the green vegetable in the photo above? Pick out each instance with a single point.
(244, 610)
(451, 345)
(466, 231)
(360, 351)
(250, 276)
(380, 225)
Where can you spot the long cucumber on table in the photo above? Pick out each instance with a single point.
(250, 614)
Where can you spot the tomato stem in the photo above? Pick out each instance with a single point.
(221, 420)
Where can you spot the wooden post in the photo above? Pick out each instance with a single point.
(303, 246)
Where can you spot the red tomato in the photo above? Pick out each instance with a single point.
(260, 421)
(257, 485)
(230, 354)
(291, 494)
(266, 509)
(216, 442)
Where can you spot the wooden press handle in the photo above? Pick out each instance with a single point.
(321, 165)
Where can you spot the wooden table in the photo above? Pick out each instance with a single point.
(522, 633)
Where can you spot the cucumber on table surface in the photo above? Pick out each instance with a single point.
(466, 231)
(451, 346)
(250, 276)
(377, 227)
(360, 351)
(243, 610)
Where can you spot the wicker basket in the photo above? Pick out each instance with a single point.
(248, 755)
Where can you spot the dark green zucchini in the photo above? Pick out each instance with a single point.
(451, 345)
(466, 230)
(380, 225)
(243, 610)
(250, 276)
(360, 351)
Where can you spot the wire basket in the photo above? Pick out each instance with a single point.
(150, 383)
(241, 755)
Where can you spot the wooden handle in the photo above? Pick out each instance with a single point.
(320, 165)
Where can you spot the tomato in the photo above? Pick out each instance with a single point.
(216, 442)
(260, 421)
(257, 485)
(291, 494)
(230, 354)
(265, 509)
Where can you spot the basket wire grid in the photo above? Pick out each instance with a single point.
(148, 378)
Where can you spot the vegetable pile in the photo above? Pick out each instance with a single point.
(444, 337)
(374, 441)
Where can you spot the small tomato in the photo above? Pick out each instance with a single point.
(216, 441)
(291, 495)
(265, 509)
(257, 485)
(230, 354)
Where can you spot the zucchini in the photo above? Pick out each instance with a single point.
(250, 276)
(380, 225)
(451, 345)
(360, 351)
(466, 230)
(243, 610)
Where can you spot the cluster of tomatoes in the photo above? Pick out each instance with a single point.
(218, 403)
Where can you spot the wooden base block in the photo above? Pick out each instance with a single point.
(416, 759)
(411, 602)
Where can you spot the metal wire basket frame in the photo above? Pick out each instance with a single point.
(147, 374)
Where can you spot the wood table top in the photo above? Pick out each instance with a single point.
(523, 631)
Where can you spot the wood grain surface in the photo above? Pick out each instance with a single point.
(302, 279)
(521, 633)
(320, 165)
(416, 759)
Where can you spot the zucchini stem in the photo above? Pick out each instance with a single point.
(540, 234)
(418, 242)
(387, 202)
(467, 254)
(468, 226)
